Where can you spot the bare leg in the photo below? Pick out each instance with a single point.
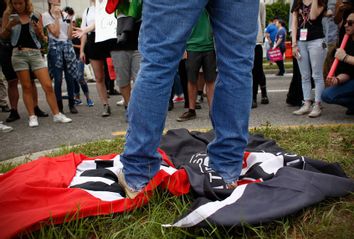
(125, 91)
(98, 69)
(12, 92)
(43, 77)
(26, 84)
(192, 94)
(210, 92)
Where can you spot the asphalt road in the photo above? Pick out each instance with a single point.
(88, 125)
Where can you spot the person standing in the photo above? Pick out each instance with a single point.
(61, 54)
(258, 75)
(200, 53)
(280, 43)
(161, 45)
(309, 49)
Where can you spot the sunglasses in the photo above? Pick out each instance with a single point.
(349, 22)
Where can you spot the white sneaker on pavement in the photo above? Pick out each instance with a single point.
(120, 102)
(316, 111)
(61, 118)
(306, 108)
(33, 121)
(5, 128)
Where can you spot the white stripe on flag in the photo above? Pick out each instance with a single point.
(206, 210)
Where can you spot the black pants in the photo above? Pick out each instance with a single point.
(184, 81)
(258, 73)
(295, 95)
(281, 63)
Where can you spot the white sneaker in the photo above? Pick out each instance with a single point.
(33, 121)
(306, 108)
(61, 118)
(316, 111)
(120, 102)
(5, 128)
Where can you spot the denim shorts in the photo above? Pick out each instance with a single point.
(27, 59)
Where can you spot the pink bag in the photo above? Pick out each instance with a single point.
(275, 55)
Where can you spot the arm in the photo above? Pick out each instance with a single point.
(294, 33)
(7, 26)
(38, 28)
(316, 10)
(54, 28)
(82, 47)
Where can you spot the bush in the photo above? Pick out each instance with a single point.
(279, 9)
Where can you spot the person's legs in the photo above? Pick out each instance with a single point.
(233, 88)
(26, 85)
(161, 46)
(209, 70)
(57, 74)
(193, 64)
(305, 70)
(43, 77)
(122, 61)
(69, 65)
(341, 94)
(317, 55)
(98, 69)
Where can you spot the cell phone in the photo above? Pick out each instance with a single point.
(34, 19)
(14, 16)
(298, 55)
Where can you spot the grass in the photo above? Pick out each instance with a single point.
(333, 218)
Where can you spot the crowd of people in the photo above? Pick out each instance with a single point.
(164, 60)
(314, 35)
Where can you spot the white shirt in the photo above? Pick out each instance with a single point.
(88, 17)
(48, 19)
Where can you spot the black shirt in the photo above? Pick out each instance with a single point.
(25, 40)
(132, 40)
(314, 27)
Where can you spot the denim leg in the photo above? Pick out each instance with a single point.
(163, 35)
(317, 57)
(341, 94)
(57, 73)
(235, 40)
(81, 79)
(70, 80)
(305, 70)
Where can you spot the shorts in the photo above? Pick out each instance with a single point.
(5, 62)
(99, 50)
(206, 60)
(126, 65)
(28, 59)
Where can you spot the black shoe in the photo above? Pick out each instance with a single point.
(350, 112)
(170, 106)
(39, 113)
(189, 115)
(13, 116)
(254, 104)
(5, 108)
(113, 92)
(198, 106)
(264, 100)
(106, 111)
(73, 109)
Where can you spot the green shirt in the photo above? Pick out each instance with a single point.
(201, 38)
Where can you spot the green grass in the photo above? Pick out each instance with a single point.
(333, 218)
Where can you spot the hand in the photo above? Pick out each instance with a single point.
(38, 28)
(340, 54)
(332, 81)
(295, 51)
(82, 57)
(78, 32)
(13, 22)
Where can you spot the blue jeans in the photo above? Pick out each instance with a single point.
(57, 74)
(341, 94)
(311, 62)
(80, 81)
(163, 35)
